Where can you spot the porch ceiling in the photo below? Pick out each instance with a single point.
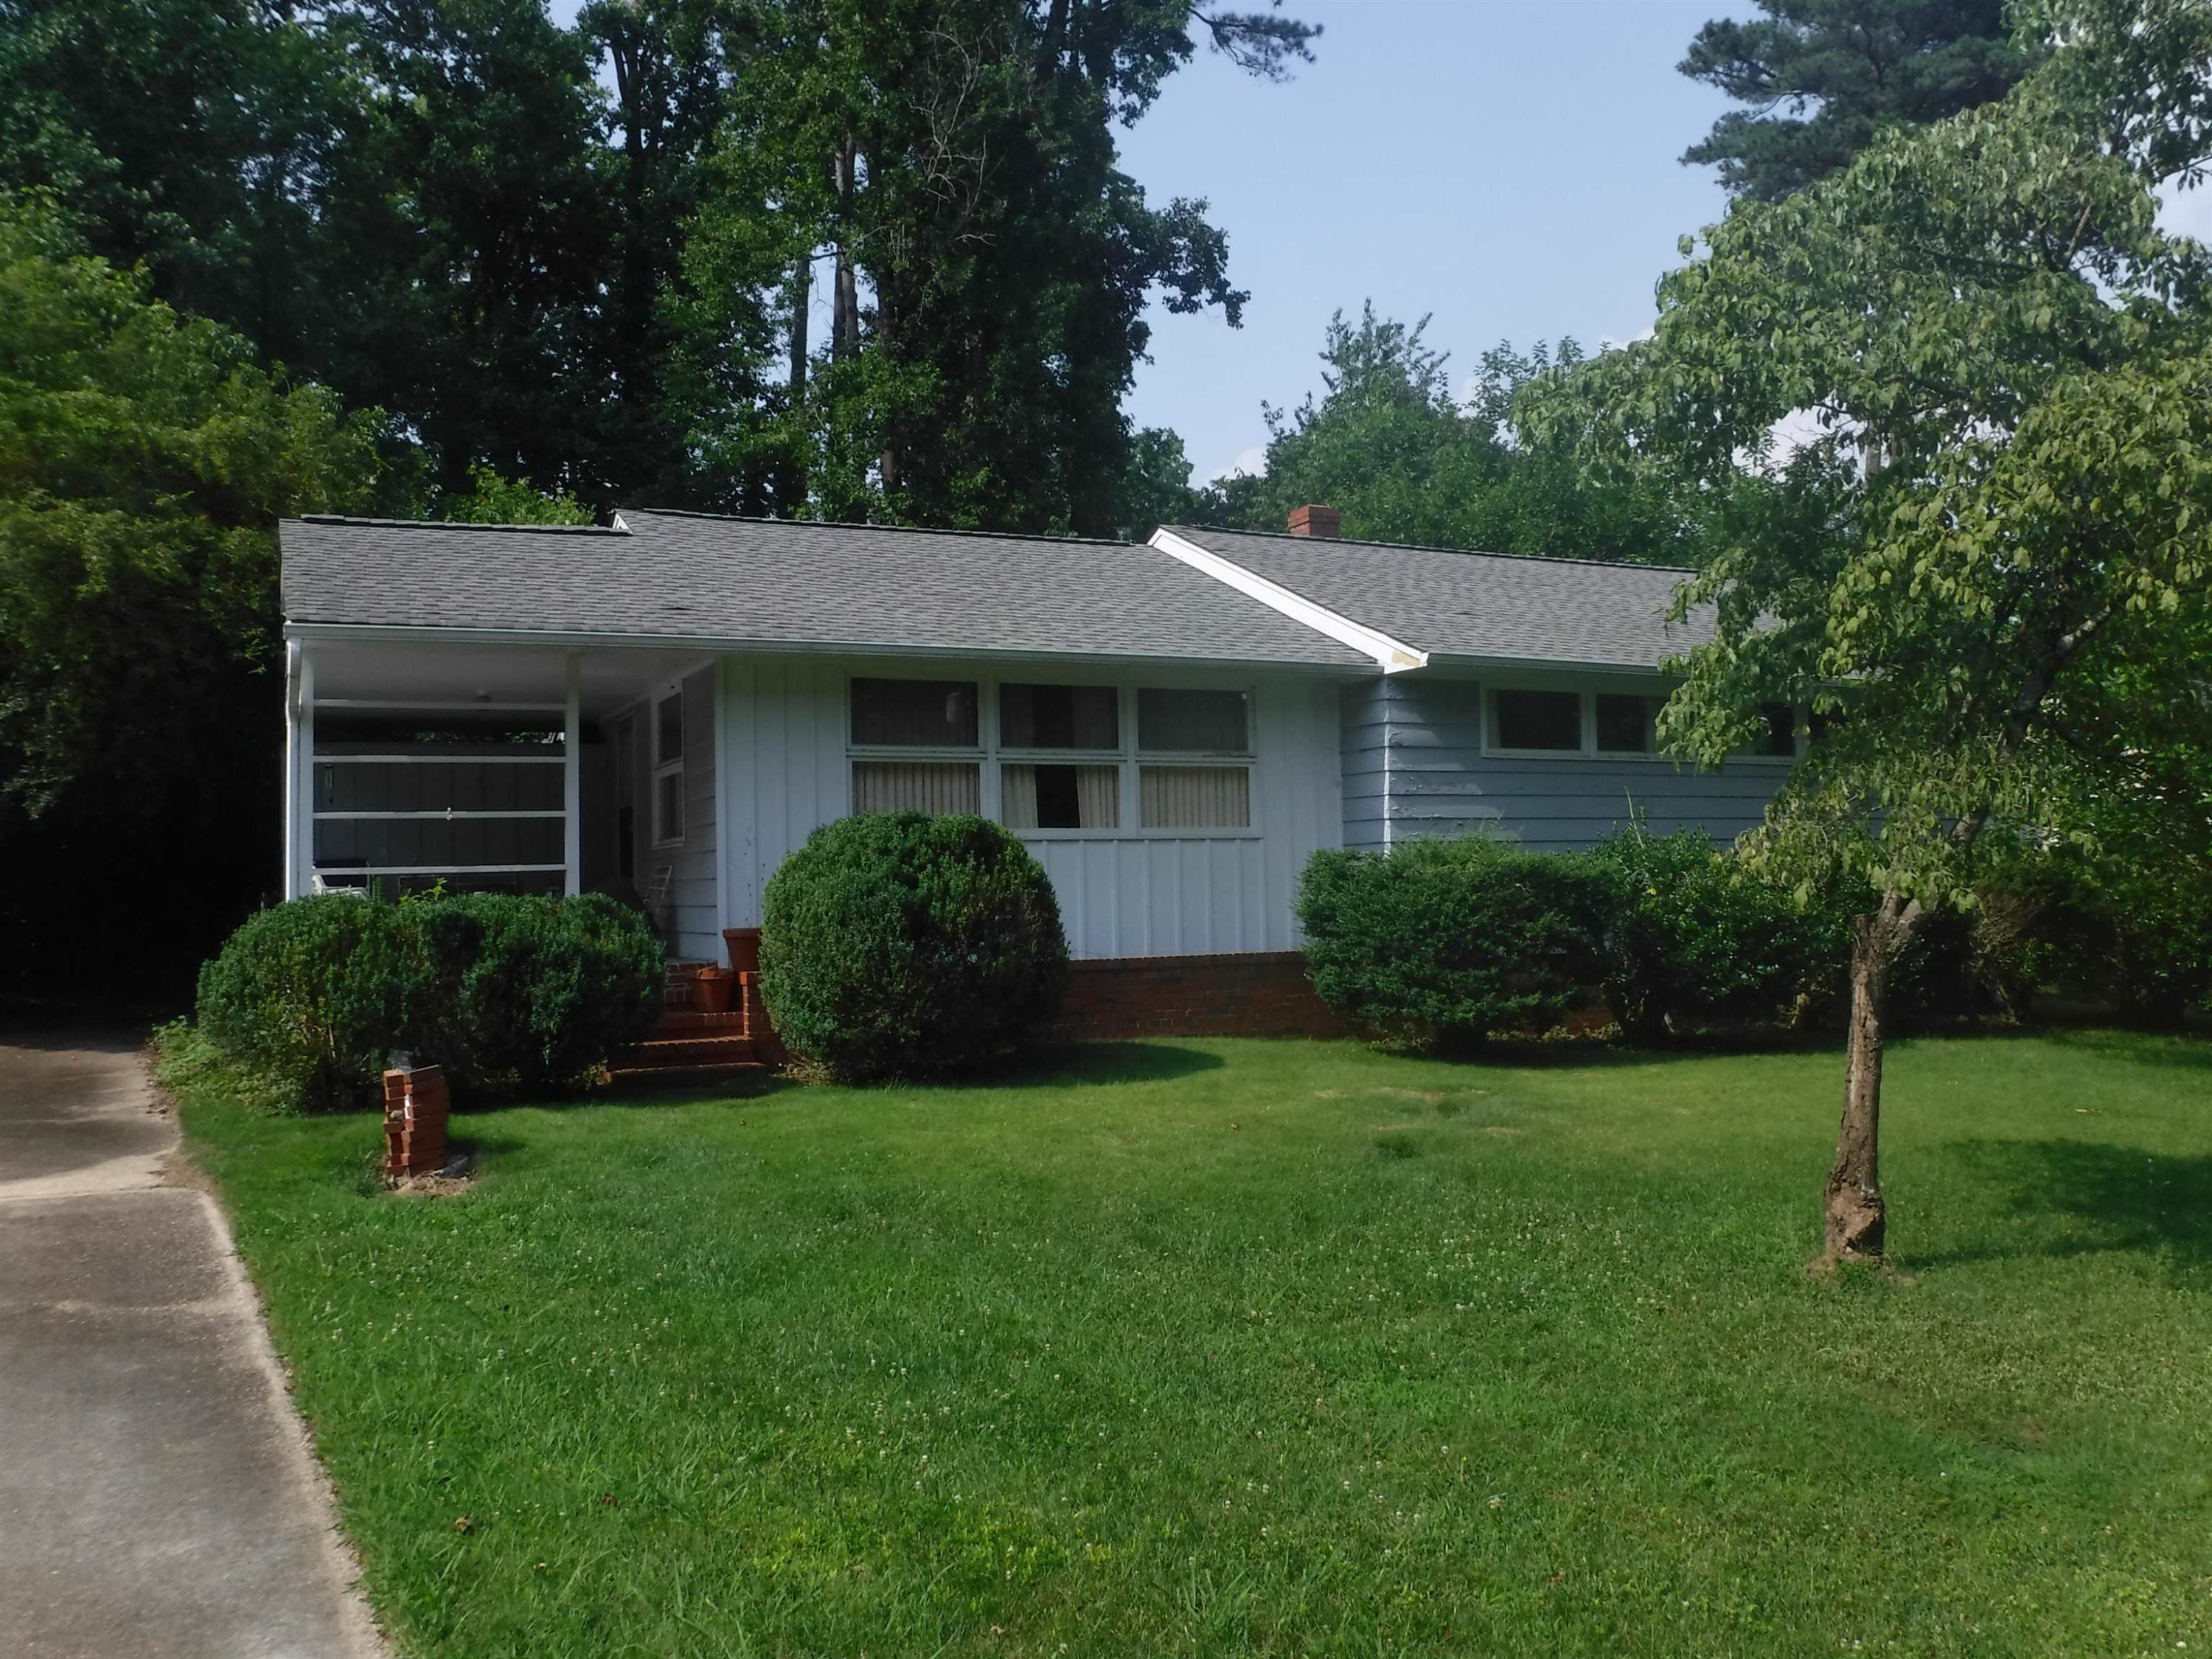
(428, 672)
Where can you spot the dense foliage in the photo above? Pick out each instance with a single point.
(1822, 78)
(1406, 459)
(902, 945)
(1437, 943)
(1694, 942)
(549, 990)
(507, 993)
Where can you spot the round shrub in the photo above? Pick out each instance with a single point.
(317, 991)
(550, 992)
(1694, 942)
(901, 945)
(1438, 943)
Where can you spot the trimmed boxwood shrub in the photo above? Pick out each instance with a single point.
(504, 992)
(551, 990)
(902, 945)
(1694, 942)
(1439, 943)
(316, 992)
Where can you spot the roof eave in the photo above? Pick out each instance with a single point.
(311, 630)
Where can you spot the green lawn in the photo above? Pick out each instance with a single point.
(1286, 1348)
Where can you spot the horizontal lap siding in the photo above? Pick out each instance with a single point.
(1119, 896)
(1414, 766)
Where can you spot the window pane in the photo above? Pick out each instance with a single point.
(1625, 725)
(1058, 717)
(668, 807)
(1061, 797)
(1781, 736)
(1537, 720)
(1193, 723)
(668, 717)
(1196, 797)
(917, 786)
(932, 713)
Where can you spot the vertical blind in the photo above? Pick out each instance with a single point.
(1196, 797)
(917, 786)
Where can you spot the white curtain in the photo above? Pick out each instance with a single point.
(1196, 797)
(917, 786)
(1098, 796)
(1017, 797)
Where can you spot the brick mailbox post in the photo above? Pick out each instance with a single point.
(414, 1120)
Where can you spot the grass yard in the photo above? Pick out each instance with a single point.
(1283, 1348)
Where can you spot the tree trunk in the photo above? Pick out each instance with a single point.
(802, 297)
(1856, 1212)
(845, 317)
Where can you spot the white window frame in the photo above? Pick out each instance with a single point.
(1492, 749)
(1126, 758)
(986, 789)
(662, 768)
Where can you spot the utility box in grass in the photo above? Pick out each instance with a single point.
(414, 1107)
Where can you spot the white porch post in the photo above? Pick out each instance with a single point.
(303, 783)
(572, 778)
(289, 887)
(725, 831)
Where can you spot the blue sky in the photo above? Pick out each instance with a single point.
(1508, 166)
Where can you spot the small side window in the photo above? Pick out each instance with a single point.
(668, 770)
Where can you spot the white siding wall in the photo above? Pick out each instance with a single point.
(1414, 765)
(1119, 895)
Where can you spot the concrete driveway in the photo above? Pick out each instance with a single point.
(157, 1496)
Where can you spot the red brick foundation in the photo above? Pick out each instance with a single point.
(1248, 993)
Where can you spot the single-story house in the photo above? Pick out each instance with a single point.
(668, 705)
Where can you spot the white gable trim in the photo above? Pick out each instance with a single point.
(1391, 656)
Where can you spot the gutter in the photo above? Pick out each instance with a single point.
(735, 646)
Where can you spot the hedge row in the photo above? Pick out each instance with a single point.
(1439, 943)
(508, 993)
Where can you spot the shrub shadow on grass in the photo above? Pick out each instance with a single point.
(2085, 1198)
(1091, 1064)
(640, 1089)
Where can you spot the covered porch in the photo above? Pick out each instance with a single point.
(512, 768)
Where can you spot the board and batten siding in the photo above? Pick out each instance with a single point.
(1414, 765)
(1134, 895)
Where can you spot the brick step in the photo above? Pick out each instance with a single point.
(656, 1053)
(690, 1022)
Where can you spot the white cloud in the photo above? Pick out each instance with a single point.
(1252, 460)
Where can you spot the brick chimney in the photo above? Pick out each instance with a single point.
(1323, 521)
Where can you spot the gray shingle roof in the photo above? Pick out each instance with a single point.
(1485, 605)
(679, 577)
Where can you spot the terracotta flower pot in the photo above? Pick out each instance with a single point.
(712, 988)
(743, 946)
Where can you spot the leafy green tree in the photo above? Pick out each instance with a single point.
(491, 499)
(2015, 369)
(946, 168)
(144, 459)
(1823, 77)
(194, 135)
(1390, 446)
